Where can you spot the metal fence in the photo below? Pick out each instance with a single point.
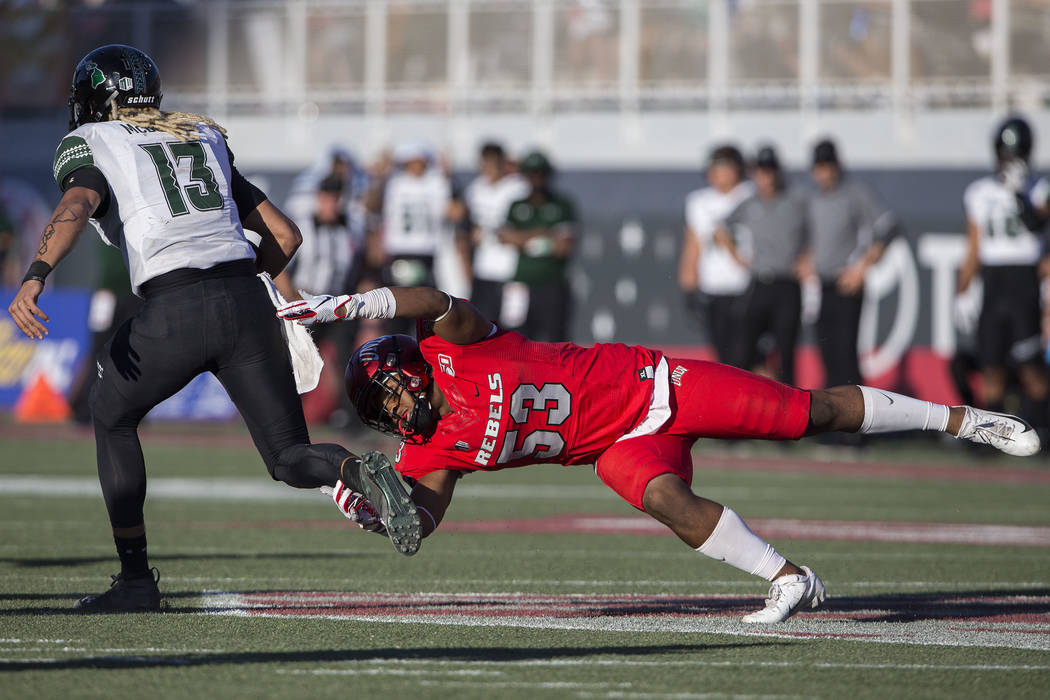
(541, 56)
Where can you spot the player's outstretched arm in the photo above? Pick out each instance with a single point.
(280, 237)
(455, 320)
(432, 494)
(61, 234)
(971, 263)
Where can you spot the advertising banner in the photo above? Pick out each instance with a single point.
(62, 355)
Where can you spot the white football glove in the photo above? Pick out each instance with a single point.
(375, 303)
(355, 507)
(311, 310)
(966, 308)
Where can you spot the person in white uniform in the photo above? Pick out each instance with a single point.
(1006, 214)
(414, 206)
(162, 187)
(712, 279)
(488, 198)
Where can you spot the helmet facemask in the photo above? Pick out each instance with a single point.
(379, 406)
(379, 375)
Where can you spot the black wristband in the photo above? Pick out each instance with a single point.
(38, 270)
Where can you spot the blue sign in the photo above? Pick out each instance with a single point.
(58, 357)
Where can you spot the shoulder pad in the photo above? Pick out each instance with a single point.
(72, 153)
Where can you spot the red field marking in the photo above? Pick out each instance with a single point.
(769, 528)
(961, 607)
(873, 470)
(963, 619)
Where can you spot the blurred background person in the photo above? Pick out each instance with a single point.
(1006, 213)
(9, 263)
(712, 278)
(112, 303)
(849, 231)
(26, 213)
(542, 226)
(337, 162)
(488, 198)
(330, 257)
(412, 200)
(333, 241)
(774, 219)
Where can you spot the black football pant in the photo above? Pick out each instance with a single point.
(773, 306)
(547, 319)
(487, 296)
(221, 321)
(837, 328)
(721, 315)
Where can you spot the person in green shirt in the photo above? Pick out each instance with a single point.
(542, 227)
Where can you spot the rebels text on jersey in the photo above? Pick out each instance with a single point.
(517, 402)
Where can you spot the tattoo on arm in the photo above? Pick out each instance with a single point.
(48, 233)
(66, 216)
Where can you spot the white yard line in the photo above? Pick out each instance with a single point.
(561, 613)
(555, 663)
(263, 489)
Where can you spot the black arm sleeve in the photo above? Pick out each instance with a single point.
(1029, 215)
(93, 179)
(245, 195)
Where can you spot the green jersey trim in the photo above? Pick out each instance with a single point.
(73, 153)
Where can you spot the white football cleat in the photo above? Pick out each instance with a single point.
(1002, 431)
(787, 595)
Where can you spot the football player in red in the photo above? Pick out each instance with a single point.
(470, 396)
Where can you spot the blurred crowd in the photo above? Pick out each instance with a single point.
(501, 236)
(761, 255)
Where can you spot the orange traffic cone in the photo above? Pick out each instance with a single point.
(40, 403)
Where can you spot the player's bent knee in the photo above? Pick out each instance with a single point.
(109, 410)
(665, 496)
(283, 461)
(306, 466)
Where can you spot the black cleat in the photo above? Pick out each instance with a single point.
(385, 491)
(134, 594)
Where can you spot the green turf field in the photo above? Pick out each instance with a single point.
(270, 594)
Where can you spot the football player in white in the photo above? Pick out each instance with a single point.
(162, 187)
(1006, 213)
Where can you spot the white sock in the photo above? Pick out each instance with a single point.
(733, 542)
(887, 412)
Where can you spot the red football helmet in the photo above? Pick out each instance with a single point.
(383, 369)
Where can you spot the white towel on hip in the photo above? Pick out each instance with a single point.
(306, 361)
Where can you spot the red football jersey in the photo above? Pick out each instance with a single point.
(516, 402)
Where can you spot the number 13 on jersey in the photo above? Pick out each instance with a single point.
(203, 192)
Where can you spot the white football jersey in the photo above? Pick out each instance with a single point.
(705, 211)
(170, 205)
(414, 213)
(1004, 239)
(489, 203)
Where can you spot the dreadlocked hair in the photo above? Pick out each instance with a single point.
(181, 125)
